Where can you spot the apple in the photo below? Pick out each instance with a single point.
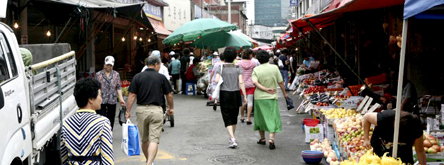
(442, 148)
(436, 147)
(431, 151)
(426, 148)
(433, 141)
(427, 143)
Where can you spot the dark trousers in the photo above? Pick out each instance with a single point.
(109, 111)
(184, 82)
(175, 78)
(293, 75)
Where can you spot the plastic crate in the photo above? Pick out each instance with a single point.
(355, 89)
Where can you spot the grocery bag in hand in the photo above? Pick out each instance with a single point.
(216, 91)
(122, 117)
(130, 139)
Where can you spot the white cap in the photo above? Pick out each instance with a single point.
(191, 53)
(172, 53)
(109, 60)
(155, 53)
(215, 53)
(278, 51)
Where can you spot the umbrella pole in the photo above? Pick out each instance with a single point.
(399, 92)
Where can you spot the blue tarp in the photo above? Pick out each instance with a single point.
(414, 7)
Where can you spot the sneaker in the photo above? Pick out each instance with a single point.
(233, 143)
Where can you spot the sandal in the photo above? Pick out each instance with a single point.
(261, 141)
(249, 123)
(242, 120)
(271, 146)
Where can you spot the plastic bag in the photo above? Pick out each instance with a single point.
(130, 139)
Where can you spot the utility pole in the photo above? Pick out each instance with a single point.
(229, 11)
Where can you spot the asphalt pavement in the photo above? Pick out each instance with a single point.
(199, 137)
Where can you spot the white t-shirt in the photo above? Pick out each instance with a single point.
(163, 70)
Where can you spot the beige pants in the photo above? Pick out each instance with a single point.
(149, 122)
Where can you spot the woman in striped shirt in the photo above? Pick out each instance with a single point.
(247, 65)
(86, 136)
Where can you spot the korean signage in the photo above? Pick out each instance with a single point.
(294, 2)
(153, 11)
(177, 13)
(262, 32)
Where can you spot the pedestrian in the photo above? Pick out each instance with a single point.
(150, 87)
(230, 97)
(410, 135)
(215, 58)
(293, 65)
(247, 65)
(110, 88)
(163, 69)
(184, 64)
(191, 58)
(175, 71)
(87, 137)
(266, 78)
(284, 67)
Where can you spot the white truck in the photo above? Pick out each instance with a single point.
(33, 102)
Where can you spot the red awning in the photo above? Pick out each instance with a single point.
(337, 8)
(159, 28)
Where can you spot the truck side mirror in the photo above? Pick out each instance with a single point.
(2, 99)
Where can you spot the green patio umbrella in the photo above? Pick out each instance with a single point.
(222, 39)
(197, 28)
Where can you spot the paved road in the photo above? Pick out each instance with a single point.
(199, 137)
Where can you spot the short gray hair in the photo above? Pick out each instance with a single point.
(152, 60)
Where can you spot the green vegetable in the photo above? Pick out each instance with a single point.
(26, 56)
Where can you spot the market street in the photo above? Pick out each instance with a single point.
(200, 138)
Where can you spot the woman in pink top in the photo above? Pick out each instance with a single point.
(247, 66)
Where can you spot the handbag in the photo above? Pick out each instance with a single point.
(216, 91)
(122, 117)
(290, 104)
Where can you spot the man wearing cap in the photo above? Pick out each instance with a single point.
(110, 87)
(150, 88)
(163, 69)
(175, 70)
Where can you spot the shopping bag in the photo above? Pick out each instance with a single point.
(130, 139)
(216, 91)
(122, 117)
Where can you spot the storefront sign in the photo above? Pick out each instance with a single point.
(262, 32)
(177, 13)
(153, 11)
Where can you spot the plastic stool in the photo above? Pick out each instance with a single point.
(187, 87)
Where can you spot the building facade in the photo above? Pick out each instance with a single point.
(238, 14)
(271, 12)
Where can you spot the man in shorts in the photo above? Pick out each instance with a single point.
(150, 87)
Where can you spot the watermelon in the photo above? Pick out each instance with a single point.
(26, 56)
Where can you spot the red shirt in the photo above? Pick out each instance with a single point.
(190, 74)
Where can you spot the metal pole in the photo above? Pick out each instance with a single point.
(59, 86)
(399, 92)
(229, 11)
(337, 54)
(63, 30)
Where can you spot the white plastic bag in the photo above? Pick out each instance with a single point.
(130, 139)
(216, 90)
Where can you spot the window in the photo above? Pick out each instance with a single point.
(4, 73)
(8, 52)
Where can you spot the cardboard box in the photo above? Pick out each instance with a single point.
(316, 132)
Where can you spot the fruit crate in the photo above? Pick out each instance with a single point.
(354, 89)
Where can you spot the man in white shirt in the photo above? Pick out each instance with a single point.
(163, 69)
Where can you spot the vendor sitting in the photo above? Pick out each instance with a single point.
(192, 73)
